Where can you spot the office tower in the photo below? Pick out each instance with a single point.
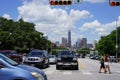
(64, 42)
(69, 39)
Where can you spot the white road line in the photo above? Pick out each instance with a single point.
(49, 71)
(67, 73)
(86, 73)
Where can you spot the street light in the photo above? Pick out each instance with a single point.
(116, 40)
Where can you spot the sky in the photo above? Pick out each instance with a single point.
(89, 19)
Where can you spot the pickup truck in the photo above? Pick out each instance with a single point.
(67, 58)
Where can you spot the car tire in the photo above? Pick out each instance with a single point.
(76, 67)
(47, 64)
(57, 67)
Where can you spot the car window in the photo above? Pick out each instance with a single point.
(1, 64)
(36, 54)
(66, 53)
(8, 60)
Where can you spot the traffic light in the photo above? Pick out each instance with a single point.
(112, 3)
(60, 2)
(77, 1)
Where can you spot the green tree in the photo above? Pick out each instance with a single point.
(21, 36)
(107, 44)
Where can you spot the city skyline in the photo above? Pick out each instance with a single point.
(80, 43)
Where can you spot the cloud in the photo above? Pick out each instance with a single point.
(96, 1)
(90, 25)
(7, 16)
(99, 28)
(54, 22)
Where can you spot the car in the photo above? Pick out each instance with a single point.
(112, 59)
(38, 58)
(52, 59)
(12, 54)
(67, 58)
(11, 70)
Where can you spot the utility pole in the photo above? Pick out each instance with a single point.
(116, 41)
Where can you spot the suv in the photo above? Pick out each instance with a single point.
(67, 58)
(10, 70)
(37, 58)
(12, 54)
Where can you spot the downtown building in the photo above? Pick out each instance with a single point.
(64, 42)
(69, 39)
(82, 43)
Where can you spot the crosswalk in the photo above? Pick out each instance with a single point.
(67, 72)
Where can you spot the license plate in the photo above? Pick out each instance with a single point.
(66, 64)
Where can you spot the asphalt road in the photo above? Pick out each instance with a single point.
(88, 70)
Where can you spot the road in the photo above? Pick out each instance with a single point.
(88, 70)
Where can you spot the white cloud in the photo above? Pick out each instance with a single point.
(7, 16)
(96, 1)
(99, 28)
(54, 22)
(90, 25)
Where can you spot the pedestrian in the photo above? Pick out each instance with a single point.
(107, 61)
(102, 66)
(23, 57)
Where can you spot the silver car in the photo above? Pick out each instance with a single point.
(52, 59)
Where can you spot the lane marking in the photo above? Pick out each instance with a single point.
(67, 73)
(81, 66)
(86, 73)
(49, 71)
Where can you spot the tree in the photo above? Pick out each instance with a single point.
(21, 36)
(107, 43)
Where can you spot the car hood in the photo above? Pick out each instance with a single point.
(31, 69)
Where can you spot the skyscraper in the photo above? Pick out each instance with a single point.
(69, 39)
(84, 43)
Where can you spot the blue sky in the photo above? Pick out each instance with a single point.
(91, 19)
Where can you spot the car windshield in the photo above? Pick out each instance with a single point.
(8, 60)
(66, 53)
(36, 54)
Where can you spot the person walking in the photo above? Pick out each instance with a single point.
(102, 66)
(106, 61)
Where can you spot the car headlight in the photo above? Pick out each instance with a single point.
(37, 76)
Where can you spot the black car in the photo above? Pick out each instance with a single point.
(37, 58)
(67, 58)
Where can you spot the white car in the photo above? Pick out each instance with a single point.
(52, 59)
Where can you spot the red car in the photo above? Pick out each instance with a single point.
(12, 54)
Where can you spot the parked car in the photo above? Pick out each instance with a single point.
(37, 58)
(12, 54)
(67, 58)
(52, 59)
(10, 70)
(113, 58)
